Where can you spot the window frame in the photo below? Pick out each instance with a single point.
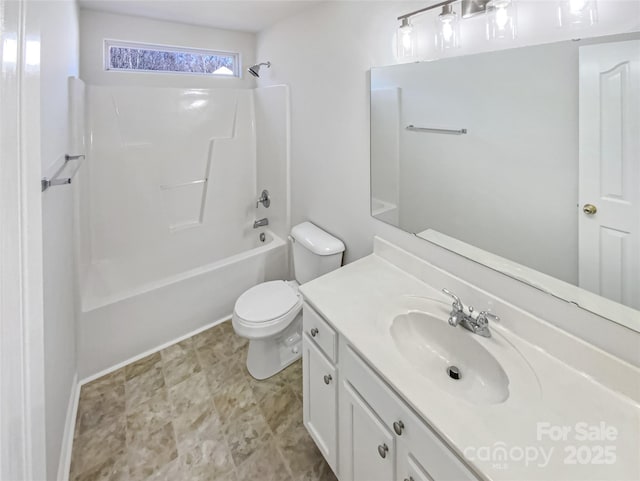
(108, 43)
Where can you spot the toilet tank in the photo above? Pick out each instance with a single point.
(315, 252)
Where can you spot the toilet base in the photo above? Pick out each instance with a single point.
(267, 357)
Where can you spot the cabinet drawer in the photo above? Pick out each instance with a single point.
(320, 332)
(435, 457)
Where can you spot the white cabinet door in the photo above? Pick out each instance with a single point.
(609, 222)
(409, 469)
(320, 382)
(424, 458)
(368, 453)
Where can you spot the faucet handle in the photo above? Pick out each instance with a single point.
(485, 316)
(457, 303)
(264, 199)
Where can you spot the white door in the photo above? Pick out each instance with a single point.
(609, 177)
(319, 386)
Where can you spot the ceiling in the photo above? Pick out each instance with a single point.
(244, 15)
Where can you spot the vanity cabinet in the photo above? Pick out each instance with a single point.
(363, 428)
(419, 453)
(320, 385)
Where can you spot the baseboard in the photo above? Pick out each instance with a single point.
(153, 350)
(64, 464)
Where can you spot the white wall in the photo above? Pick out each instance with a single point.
(272, 155)
(59, 60)
(325, 54)
(95, 27)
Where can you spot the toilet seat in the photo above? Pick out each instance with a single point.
(266, 309)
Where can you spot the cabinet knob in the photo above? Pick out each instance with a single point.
(410, 478)
(383, 449)
(398, 427)
(314, 332)
(327, 378)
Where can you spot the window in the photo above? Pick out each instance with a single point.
(160, 58)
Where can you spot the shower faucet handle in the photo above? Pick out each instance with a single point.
(264, 199)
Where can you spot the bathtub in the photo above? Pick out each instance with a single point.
(134, 306)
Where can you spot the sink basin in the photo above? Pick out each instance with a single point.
(433, 347)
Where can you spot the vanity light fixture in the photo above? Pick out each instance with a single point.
(406, 39)
(501, 22)
(447, 28)
(501, 19)
(577, 13)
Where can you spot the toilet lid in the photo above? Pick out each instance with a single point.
(266, 301)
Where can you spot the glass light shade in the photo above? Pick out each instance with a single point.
(447, 29)
(406, 40)
(577, 13)
(501, 19)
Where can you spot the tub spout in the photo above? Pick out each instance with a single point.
(260, 223)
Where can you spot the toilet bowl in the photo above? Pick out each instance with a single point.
(267, 309)
(270, 314)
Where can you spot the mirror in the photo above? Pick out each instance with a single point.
(525, 160)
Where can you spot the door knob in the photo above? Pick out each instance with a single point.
(589, 209)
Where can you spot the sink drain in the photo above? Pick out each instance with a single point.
(454, 372)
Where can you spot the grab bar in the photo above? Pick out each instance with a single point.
(47, 182)
(413, 128)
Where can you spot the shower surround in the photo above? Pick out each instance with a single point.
(166, 211)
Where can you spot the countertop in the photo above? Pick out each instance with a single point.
(540, 427)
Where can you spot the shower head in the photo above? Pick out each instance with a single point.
(255, 69)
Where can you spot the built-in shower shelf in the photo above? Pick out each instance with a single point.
(182, 184)
(185, 226)
(184, 203)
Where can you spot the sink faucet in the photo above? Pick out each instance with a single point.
(476, 323)
(260, 223)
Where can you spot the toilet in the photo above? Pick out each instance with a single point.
(270, 314)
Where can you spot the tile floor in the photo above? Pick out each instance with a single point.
(192, 412)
